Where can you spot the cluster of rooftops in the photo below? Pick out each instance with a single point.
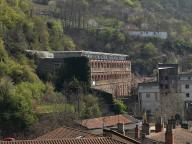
(83, 135)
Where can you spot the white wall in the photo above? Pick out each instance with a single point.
(183, 82)
(162, 35)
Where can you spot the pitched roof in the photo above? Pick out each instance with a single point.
(120, 137)
(66, 132)
(108, 121)
(181, 136)
(66, 141)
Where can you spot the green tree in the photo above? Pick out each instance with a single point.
(3, 53)
(119, 107)
(149, 50)
(15, 109)
(90, 107)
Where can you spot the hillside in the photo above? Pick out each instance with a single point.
(106, 22)
(23, 95)
(98, 25)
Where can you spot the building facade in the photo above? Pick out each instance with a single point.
(185, 90)
(108, 72)
(149, 97)
(173, 89)
(112, 76)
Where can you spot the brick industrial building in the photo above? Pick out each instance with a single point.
(107, 72)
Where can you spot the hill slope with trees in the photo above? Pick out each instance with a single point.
(105, 24)
(98, 25)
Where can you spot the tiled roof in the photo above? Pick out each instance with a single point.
(66, 132)
(120, 137)
(107, 121)
(66, 141)
(181, 136)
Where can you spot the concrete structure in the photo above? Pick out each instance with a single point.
(149, 97)
(162, 35)
(40, 54)
(171, 90)
(108, 72)
(185, 90)
(167, 77)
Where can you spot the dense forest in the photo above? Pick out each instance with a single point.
(97, 25)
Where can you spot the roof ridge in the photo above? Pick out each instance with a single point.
(104, 117)
(55, 139)
(64, 128)
(76, 129)
(59, 139)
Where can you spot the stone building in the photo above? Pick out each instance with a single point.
(185, 90)
(171, 94)
(149, 97)
(107, 72)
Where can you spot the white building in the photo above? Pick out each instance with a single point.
(185, 90)
(149, 97)
(185, 86)
(162, 35)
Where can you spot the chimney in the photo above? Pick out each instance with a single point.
(172, 121)
(137, 132)
(159, 125)
(121, 128)
(107, 133)
(146, 128)
(169, 136)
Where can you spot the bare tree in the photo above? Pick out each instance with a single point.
(171, 103)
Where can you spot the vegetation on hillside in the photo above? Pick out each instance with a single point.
(103, 26)
(82, 25)
(22, 94)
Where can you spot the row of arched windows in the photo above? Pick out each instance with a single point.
(110, 64)
(107, 76)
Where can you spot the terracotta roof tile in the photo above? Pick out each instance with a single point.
(181, 136)
(66, 141)
(66, 132)
(107, 121)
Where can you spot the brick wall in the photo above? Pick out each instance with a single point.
(111, 76)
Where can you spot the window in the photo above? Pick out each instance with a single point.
(148, 95)
(148, 111)
(187, 86)
(187, 95)
(166, 86)
(57, 65)
(161, 86)
(166, 78)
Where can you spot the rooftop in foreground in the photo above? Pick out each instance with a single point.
(67, 132)
(107, 121)
(65, 141)
(181, 136)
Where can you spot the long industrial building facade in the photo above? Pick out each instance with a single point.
(108, 72)
(112, 76)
